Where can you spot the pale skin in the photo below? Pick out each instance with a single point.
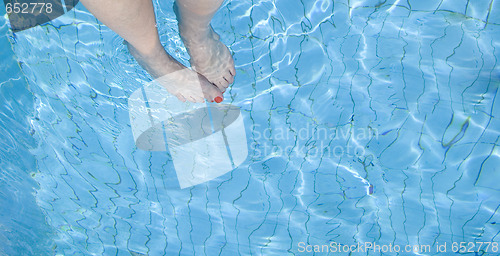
(212, 64)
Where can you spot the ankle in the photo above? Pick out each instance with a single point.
(196, 35)
(150, 50)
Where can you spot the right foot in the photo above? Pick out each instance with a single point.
(179, 80)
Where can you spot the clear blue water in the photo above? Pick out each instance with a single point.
(367, 121)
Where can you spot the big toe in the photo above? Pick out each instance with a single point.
(210, 91)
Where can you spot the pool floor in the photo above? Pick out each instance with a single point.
(368, 122)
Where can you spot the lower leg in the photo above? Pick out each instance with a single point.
(196, 14)
(134, 21)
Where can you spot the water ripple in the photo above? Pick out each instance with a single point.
(368, 121)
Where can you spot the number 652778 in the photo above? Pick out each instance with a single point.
(28, 8)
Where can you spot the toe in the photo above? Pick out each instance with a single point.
(229, 77)
(198, 99)
(193, 99)
(210, 91)
(215, 93)
(180, 97)
(232, 69)
(222, 84)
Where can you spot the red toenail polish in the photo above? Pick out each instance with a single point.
(218, 99)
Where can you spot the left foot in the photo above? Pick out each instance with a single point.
(209, 56)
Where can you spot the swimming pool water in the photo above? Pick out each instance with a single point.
(367, 121)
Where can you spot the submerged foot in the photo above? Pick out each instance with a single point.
(182, 82)
(209, 56)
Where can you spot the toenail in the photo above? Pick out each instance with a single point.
(218, 99)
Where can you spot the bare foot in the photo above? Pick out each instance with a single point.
(179, 80)
(209, 56)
